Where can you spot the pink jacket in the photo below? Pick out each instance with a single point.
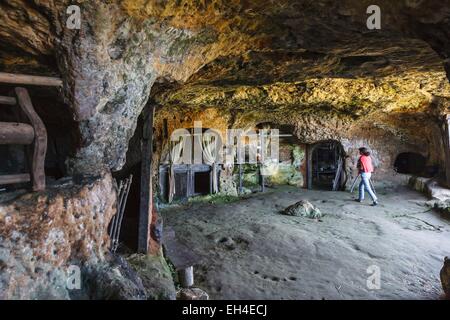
(366, 164)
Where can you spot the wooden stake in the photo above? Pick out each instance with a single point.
(146, 197)
(446, 140)
(262, 179)
(186, 277)
(40, 141)
(240, 178)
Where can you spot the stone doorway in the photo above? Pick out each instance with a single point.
(326, 165)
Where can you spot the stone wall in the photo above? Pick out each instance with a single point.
(42, 234)
(385, 136)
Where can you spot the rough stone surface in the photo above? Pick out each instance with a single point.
(227, 184)
(445, 277)
(113, 279)
(42, 234)
(192, 294)
(303, 208)
(308, 55)
(312, 65)
(156, 276)
(289, 171)
(286, 257)
(440, 196)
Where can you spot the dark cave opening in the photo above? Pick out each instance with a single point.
(326, 166)
(181, 185)
(201, 183)
(130, 225)
(410, 163)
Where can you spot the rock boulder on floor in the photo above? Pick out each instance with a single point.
(155, 274)
(192, 294)
(303, 208)
(113, 280)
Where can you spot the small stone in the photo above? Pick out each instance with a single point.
(192, 294)
(303, 208)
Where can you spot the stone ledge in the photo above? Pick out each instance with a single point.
(440, 196)
(43, 233)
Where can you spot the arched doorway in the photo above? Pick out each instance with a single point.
(326, 165)
(410, 163)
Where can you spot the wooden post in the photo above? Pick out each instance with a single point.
(262, 159)
(40, 140)
(211, 179)
(29, 79)
(146, 197)
(240, 178)
(262, 178)
(446, 140)
(186, 277)
(308, 167)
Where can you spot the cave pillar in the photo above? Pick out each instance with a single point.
(147, 214)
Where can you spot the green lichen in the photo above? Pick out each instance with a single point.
(156, 275)
(186, 42)
(214, 199)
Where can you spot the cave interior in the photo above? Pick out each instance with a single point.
(114, 92)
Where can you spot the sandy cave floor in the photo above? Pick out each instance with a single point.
(248, 250)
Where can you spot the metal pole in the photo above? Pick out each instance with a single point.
(372, 186)
(354, 183)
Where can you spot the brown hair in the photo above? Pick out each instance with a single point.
(364, 151)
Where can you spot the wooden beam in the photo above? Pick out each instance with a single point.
(446, 140)
(240, 178)
(186, 277)
(146, 196)
(14, 178)
(262, 179)
(25, 79)
(16, 133)
(8, 100)
(40, 141)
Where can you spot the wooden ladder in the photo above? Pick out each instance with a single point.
(25, 134)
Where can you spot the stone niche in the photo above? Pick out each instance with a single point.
(62, 134)
(291, 169)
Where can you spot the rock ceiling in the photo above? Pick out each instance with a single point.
(289, 55)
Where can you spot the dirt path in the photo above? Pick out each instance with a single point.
(250, 251)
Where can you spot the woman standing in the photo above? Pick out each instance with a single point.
(365, 168)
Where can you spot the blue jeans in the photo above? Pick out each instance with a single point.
(365, 184)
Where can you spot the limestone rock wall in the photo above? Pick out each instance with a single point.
(110, 65)
(42, 234)
(385, 135)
